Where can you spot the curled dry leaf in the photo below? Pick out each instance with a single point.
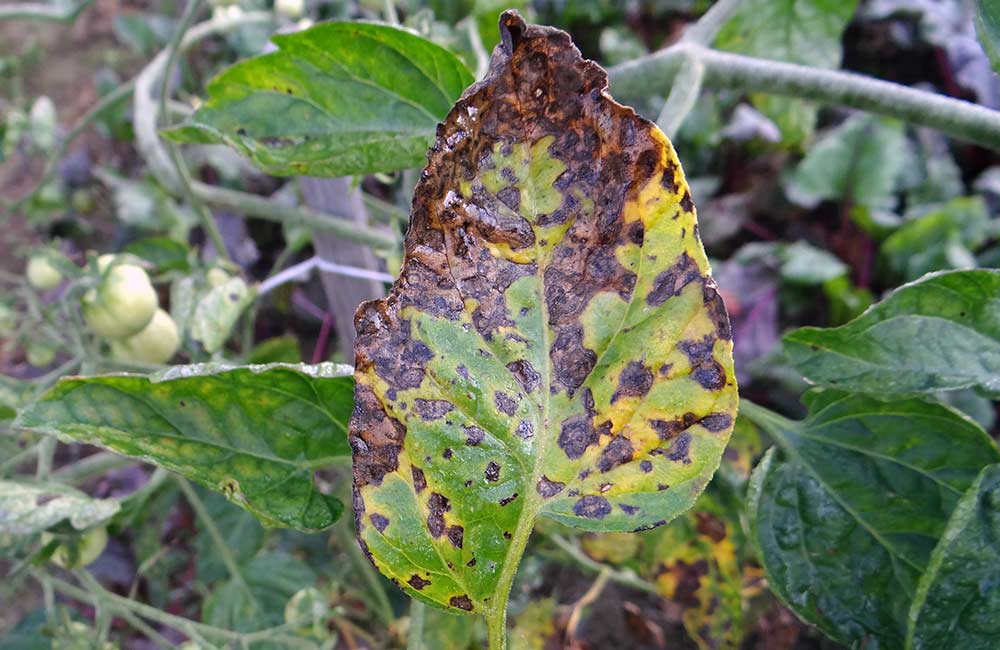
(554, 343)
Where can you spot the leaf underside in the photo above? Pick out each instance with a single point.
(254, 433)
(554, 343)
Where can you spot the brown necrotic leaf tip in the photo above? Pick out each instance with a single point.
(554, 343)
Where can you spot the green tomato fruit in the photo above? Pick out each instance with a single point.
(81, 552)
(156, 343)
(41, 274)
(123, 303)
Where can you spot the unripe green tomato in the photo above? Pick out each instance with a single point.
(123, 303)
(156, 343)
(40, 353)
(88, 548)
(41, 274)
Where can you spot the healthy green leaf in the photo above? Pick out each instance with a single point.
(943, 238)
(254, 433)
(941, 332)
(846, 517)
(988, 29)
(958, 599)
(164, 253)
(256, 600)
(554, 345)
(860, 161)
(796, 31)
(337, 99)
(29, 508)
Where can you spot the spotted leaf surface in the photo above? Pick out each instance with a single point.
(554, 344)
(254, 433)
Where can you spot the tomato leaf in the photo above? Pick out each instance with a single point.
(254, 433)
(340, 98)
(958, 599)
(938, 333)
(554, 344)
(846, 518)
(27, 508)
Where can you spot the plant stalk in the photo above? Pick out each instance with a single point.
(960, 119)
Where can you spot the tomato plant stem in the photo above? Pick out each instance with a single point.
(957, 118)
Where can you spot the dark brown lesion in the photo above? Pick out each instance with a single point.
(635, 380)
(548, 488)
(376, 439)
(671, 282)
(505, 403)
(462, 602)
(492, 473)
(432, 409)
(381, 522)
(617, 452)
(704, 368)
(438, 505)
(525, 374)
(592, 507)
(417, 582)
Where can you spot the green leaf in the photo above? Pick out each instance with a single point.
(988, 29)
(242, 533)
(802, 263)
(942, 238)
(268, 582)
(340, 98)
(846, 517)
(860, 161)
(555, 344)
(254, 433)
(217, 311)
(941, 332)
(280, 349)
(796, 31)
(29, 508)
(958, 599)
(164, 253)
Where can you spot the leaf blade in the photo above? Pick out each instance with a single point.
(860, 498)
(338, 99)
(510, 373)
(938, 333)
(255, 433)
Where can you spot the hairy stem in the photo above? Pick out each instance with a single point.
(418, 612)
(43, 11)
(960, 119)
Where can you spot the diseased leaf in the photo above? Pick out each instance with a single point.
(796, 31)
(254, 433)
(846, 517)
(340, 98)
(941, 332)
(554, 344)
(217, 311)
(958, 599)
(698, 566)
(29, 508)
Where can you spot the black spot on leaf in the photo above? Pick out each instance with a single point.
(592, 507)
